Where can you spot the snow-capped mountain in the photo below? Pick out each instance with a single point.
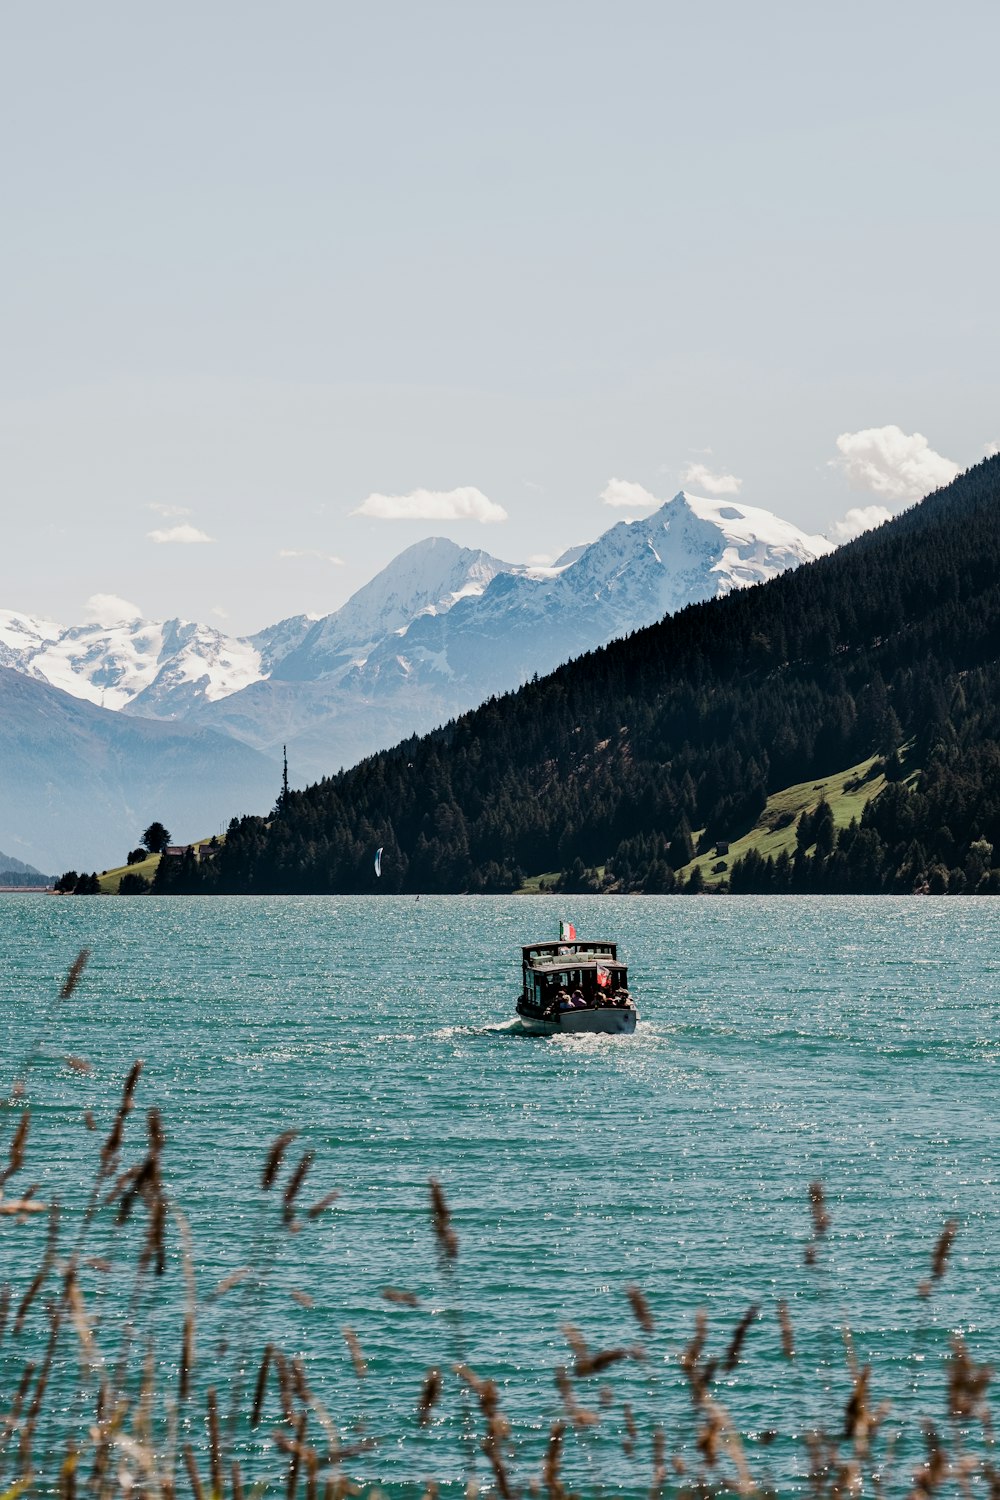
(114, 666)
(689, 550)
(434, 633)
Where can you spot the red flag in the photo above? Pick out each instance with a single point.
(603, 977)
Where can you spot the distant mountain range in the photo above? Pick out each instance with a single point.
(16, 872)
(436, 632)
(80, 783)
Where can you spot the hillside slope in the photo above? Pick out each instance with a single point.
(690, 724)
(80, 783)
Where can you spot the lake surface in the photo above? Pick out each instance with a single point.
(852, 1040)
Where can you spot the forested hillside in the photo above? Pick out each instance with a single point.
(608, 764)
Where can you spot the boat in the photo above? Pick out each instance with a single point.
(553, 973)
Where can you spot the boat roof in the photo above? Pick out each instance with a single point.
(579, 954)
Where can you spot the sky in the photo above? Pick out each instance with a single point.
(284, 289)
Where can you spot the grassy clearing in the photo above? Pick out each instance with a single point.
(109, 881)
(533, 884)
(848, 793)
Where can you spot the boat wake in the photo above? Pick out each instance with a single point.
(515, 1028)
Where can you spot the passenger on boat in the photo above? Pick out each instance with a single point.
(577, 1001)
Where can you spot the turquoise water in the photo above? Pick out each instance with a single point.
(854, 1040)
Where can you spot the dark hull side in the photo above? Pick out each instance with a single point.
(606, 1020)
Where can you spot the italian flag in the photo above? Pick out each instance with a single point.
(567, 932)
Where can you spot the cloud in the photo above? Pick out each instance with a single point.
(168, 510)
(327, 557)
(992, 449)
(184, 533)
(109, 609)
(702, 477)
(624, 493)
(219, 612)
(861, 518)
(892, 463)
(464, 504)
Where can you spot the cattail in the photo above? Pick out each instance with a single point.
(698, 1378)
(228, 1282)
(113, 1143)
(67, 1474)
(441, 1218)
(787, 1332)
(88, 1119)
(640, 1308)
(857, 1418)
(553, 1462)
(400, 1297)
(593, 1364)
(272, 1162)
(820, 1220)
(195, 1478)
(187, 1357)
(78, 1064)
(939, 1260)
(732, 1357)
(286, 1386)
(237, 1479)
(73, 977)
(357, 1357)
(302, 1390)
(302, 1298)
(38, 1281)
(295, 1182)
(296, 1458)
(659, 1463)
(576, 1341)
(214, 1446)
(322, 1204)
(628, 1441)
(261, 1386)
(967, 1381)
(429, 1393)
(15, 1157)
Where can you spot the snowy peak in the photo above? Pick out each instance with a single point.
(133, 662)
(696, 549)
(427, 578)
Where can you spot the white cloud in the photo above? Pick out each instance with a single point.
(327, 557)
(184, 533)
(464, 504)
(992, 449)
(168, 510)
(622, 492)
(892, 463)
(109, 609)
(701, 477)
(219, 612)
(861, 518)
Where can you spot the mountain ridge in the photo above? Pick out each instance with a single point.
(438, 630)
(890, 644)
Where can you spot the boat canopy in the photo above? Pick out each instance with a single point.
(569, 955)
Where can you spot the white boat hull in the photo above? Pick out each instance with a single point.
(607, 1020)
